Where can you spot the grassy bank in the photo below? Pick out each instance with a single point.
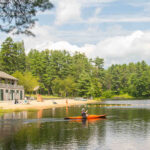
(124, 97)
(119, 97)
(16, 110)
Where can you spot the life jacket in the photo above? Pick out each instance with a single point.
(83, 114)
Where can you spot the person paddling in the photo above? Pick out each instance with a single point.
(84, 113)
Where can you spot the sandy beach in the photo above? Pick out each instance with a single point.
(34, 104)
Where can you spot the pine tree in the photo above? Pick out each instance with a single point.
(12, 56)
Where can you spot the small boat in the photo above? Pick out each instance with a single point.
(88, 117)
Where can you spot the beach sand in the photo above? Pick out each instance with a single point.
(43, 105)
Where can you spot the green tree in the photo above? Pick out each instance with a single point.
(27, 80)
(48, 65)
(98, 72)
(56, 86)
(37, 63)
(139, 82)
(95, 89)
(30, 82)
(19, 15)
(21, 56)
(19, 76)
(69, 86)
(107, 83)
(65, 87)
(7, 56)
(80, 63)
(114, 70)
(99, 63)
(12, 56)
(124, 78)
(84, 85)
(61, 63)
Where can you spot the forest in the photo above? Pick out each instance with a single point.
(64, 74)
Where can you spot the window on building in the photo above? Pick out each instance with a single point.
(12, 94)
(1, 95)
(21, 95)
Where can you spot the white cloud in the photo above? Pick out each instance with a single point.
(116, 49)
(118, 19)
(123, 49)
(97, 11)
(95, 2)
(61, 45)
(67, 10)
(70, 12)
(130, 47)
(45, 34)
(47, 12)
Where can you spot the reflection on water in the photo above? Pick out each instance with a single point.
(14, 115)
(125, 128)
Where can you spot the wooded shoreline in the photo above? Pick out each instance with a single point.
(60, 73)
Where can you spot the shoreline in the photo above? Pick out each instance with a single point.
(34, 104)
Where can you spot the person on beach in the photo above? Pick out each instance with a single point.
(84, 113)
(16, 101)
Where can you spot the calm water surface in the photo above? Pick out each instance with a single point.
(127, 127)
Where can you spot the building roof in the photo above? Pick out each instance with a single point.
(6, 76)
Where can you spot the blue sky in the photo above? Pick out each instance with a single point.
(116, 30)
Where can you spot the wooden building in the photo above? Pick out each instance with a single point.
(9, 90)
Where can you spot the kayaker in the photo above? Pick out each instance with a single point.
(84, 113)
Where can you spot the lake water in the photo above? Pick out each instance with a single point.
(127, 127)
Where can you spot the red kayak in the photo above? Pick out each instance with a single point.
(88, 117)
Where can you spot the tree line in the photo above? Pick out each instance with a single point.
(63, 74)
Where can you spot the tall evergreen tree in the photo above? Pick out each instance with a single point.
(12, 56)
(80, 64)
(84, 85)
(21, 56)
